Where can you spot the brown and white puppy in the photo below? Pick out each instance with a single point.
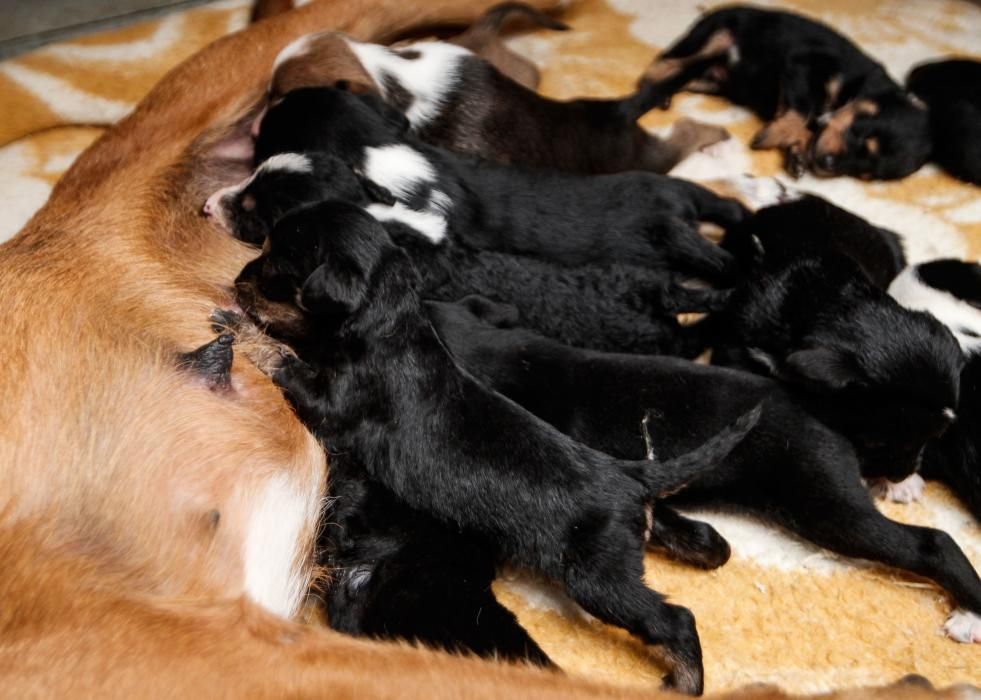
(456, 100)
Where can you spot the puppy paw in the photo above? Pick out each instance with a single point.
(964, 626)
(909, 490)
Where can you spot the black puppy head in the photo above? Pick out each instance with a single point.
(281, 184)
(320, 266)
(882, 137)
(332, 121)
(895, 376)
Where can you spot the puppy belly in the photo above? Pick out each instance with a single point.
(278, 535)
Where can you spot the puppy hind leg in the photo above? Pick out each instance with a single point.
(613, 592)
(690, 541)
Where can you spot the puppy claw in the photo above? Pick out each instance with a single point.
(212, 362)
(964, 626)
(909, 490)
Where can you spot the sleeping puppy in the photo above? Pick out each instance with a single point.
(791, 469)
(454, 99)
(884, 376)
(952, 90)
(624, 308)
(375, 384)
(831, 108)
(636, 218)
(951, 291)
(397, 573)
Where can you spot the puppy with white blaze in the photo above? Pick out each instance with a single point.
(375, 384)
(635, 218)
(457, 100)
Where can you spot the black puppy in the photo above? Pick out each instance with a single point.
(791, 469)
(831, 108)
(952, 90)
(951, 291)
(606, 307)
(884, 376)
(457, 100)
(636, 218)
(376, 385)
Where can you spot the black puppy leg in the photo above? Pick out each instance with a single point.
(690, 541)
(692, 253)
(870, 535)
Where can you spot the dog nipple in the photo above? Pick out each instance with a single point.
(211, 362)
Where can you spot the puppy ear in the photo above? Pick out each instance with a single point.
(823, 369)
(333, 290)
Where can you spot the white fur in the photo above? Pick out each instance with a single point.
(909, 490)
(398, 168)
(428, 78)
(910, 291)
(295, 48)
(291, 162)
(964, 626)
(430, 225)
(276, 577)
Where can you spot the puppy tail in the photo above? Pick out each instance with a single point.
(490, 22)
(670, 476)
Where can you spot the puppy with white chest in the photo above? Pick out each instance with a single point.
(456, 100)
(376, 385)
(635, 218)
(601, 306)
(792, 469)
(811, 316)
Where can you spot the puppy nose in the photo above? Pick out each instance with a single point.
(827, 161)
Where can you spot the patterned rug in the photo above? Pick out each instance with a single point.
(780, 611)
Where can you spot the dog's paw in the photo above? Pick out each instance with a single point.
(225, 320)
(909, 490)
(964, 626)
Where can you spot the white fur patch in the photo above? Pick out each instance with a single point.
(909, 490)
(291, 162)
(964, 626)
(910, 291)
(275, 575)
(398, 168)
(430, 225)
(295, 48)
(429, 78)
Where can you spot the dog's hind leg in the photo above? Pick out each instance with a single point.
(846, 522)
(690, 541)
(605, 577)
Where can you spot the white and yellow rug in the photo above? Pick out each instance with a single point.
(780, 611)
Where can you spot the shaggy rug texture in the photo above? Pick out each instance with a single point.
(780, 611)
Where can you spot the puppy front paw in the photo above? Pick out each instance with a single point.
(909, 490)
(964, 626)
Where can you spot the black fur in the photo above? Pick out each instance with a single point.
(376, 385)
(881, 374)
(791, 469)
(952, 90)
(785, 62)
(636, 218)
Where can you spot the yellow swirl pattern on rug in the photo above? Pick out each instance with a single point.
(780, 611)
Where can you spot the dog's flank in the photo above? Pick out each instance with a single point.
(372, 376)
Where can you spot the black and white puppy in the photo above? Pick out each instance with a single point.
(885, 376)
(618, 307)
(792, 469)
(376, 385)
(951, 291)
(635, 218)
(457, 100)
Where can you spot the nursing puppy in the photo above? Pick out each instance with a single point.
(791, 469)
(952, 90)
(623, 308)
(375, 384)
(456, 100)
(635, 218)
(951, 291)
(831, 108)
(807, 314)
